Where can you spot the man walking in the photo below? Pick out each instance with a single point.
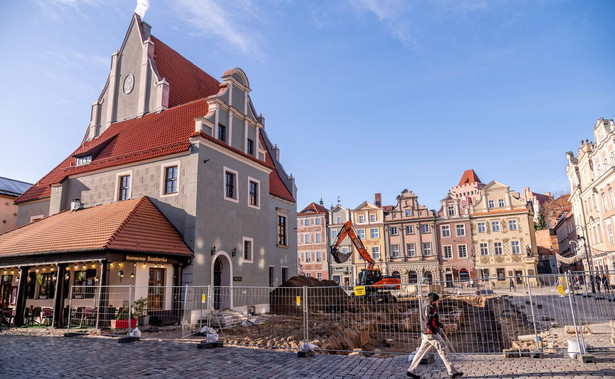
(512, 286)
(433, 339)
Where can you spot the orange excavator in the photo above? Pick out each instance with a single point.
(378, 286)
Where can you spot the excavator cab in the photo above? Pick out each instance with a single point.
(369, 277)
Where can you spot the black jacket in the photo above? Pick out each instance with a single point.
(432, 321)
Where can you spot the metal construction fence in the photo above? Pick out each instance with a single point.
(545, 313)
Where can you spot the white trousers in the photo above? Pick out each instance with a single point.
(427, 342)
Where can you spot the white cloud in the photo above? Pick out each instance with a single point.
(393, 13)
(227, 20)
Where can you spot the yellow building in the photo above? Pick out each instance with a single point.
(368, 221)
(503, 236)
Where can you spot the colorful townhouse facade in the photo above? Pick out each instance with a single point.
(175, 182)
(591, 174)
(343, 273)
(312, 241)
(412, 252)
(368, 221)
(503, 235)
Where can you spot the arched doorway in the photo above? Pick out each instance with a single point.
(221, 280)
(464, 275)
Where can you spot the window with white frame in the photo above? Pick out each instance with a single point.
(317, 221)
(361, 233)
(319, 256)
(376, 252)
(334, 235)
(374, 233)
(394, 231)
(461, 230)
(605, 203)
(426, 249)
(307, 222)
(395, 251)
(610, 233)
(462, 251)
(318, 238)
(450, 210)
(500, 203)
(448, 251)
(495, 226)
(408, 212)
(253, 193)
(308, 274)
(230, 185)
(372, 218)
(425, 228)
(170, 180)
(515, 247)
(481, 227)
(484, 248)
(612, 196)
(338, 219)
(410, 250)
(307, 238)
(308, 256)
(247, 249)
(409, 229)
(361, 219)
(491, 204)
(319, 275)
(497, 248)
(124, 187)
(512, 225)
(446, 231)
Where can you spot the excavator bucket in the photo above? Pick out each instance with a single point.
(339, 257)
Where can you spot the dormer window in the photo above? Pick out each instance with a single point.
(80, 161)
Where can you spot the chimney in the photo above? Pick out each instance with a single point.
(378, 199)
(276, 152)
(147, 29)
(75, 205)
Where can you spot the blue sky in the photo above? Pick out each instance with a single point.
(361, 96)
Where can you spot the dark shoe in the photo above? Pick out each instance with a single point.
(457, 375)
(414, 376)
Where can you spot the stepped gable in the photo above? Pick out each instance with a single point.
(168, 132)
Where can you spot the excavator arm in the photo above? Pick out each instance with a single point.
(348, 230)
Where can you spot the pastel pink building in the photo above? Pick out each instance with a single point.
(312, 245)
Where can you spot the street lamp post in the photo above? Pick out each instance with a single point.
(589, 264)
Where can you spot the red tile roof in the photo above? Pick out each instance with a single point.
(314, 208)
(469, 176)
(153, 135)
(186, 81)
(132, 225)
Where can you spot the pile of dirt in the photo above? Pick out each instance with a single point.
(324, 295)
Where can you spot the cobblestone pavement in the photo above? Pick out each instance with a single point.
(25, 356)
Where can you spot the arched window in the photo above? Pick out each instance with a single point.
(464, 275)
(395, 274)
(412, 278)
(428, 277)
